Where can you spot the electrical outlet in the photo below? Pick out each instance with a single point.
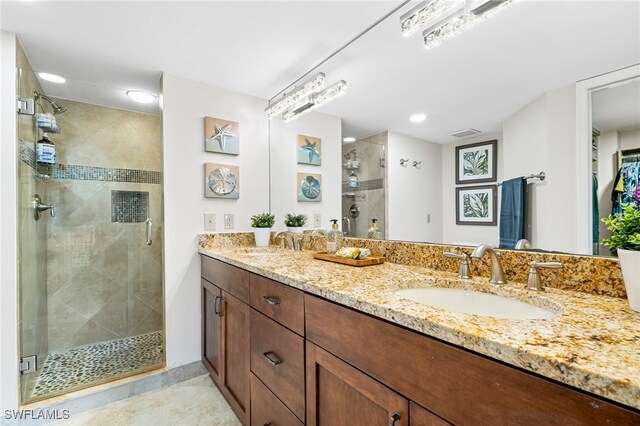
(317, 220)
(428, 218)
(228, 221)
(209, 222)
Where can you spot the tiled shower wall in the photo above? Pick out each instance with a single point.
(370, 195)
(32, 249)
(104, 281)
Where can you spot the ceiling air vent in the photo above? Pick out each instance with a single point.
(465, 133)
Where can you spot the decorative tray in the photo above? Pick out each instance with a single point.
(370, 260)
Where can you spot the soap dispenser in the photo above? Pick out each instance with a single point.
(374, 231)
(334, 238)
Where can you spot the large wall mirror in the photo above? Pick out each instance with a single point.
(425, 140)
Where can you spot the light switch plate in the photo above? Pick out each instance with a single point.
(317, 220)
(428, 217)
(228, 221)
(209, 222)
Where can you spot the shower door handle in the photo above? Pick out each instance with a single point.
(149, 226)
(348, 222)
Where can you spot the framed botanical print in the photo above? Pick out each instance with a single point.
(476, 205)
(477, 163)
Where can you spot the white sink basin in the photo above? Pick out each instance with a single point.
(475, 302)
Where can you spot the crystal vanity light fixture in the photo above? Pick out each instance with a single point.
(299, 92)
(315, 101)
(461, 22)
(426, 11)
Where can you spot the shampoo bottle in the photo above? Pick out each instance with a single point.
(45, 151)
(334, 238)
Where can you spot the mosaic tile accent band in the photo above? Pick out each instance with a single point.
(129, 206)
(81, 172)
(365, 185)
(85, 366)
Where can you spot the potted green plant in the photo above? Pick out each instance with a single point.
(626, 241)
(262, 224)
(295, 222)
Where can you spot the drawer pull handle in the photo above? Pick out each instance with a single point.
(270, 300)
(393, 419)
(273, 360)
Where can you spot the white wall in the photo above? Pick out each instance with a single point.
(542, 137)
(465, 234)
(413, 193)
(284, 167)
(608, 145)
(630, 139)
(8, 225)
(185, 103)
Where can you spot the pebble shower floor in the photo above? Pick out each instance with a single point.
(67, 371)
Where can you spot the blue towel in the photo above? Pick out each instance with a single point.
(512, 212)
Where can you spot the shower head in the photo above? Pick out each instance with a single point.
(57, 109)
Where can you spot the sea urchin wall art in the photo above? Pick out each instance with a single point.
(309, 187)
(309, 150)
(221, 181)
(221, 136)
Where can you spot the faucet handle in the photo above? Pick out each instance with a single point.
(464, 269)
(534, 282)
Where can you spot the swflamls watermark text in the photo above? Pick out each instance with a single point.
(36, 414)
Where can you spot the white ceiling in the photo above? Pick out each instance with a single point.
(256, 48)
(476, 80)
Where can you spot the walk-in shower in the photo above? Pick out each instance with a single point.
(90, 242)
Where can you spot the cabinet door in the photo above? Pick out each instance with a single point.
(339, 394)
(236, 354)
(423, 417)
(211, 330)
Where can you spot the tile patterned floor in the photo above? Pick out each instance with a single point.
(92, 364)
(193, 402)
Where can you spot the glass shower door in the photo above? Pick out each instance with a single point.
(91, 276)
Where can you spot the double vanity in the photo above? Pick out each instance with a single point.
(291, 340)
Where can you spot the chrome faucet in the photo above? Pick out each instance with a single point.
(464, 268)
(535, 282)
(282, 235)
(497, 273)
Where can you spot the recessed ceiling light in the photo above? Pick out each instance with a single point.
(417, 118)
(142, 97)
(349, 139)
(51, 77)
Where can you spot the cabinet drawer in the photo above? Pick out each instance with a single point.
(278, 301)
(457, 385)
(233, 280)
(266, 409)
(422, 417)
(277, 358)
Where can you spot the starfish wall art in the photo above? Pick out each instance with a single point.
(309, 150)
(222, 136)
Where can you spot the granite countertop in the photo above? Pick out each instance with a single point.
(594, 344)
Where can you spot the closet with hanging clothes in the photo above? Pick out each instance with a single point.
(626, 189)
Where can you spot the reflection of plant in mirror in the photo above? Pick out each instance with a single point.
(625, 228)
(476, 205)
(476, 162)
(262, 220)
(295, 220)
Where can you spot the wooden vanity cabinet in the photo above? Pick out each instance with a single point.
(225, 336)
(340, 395)
(459, 386)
